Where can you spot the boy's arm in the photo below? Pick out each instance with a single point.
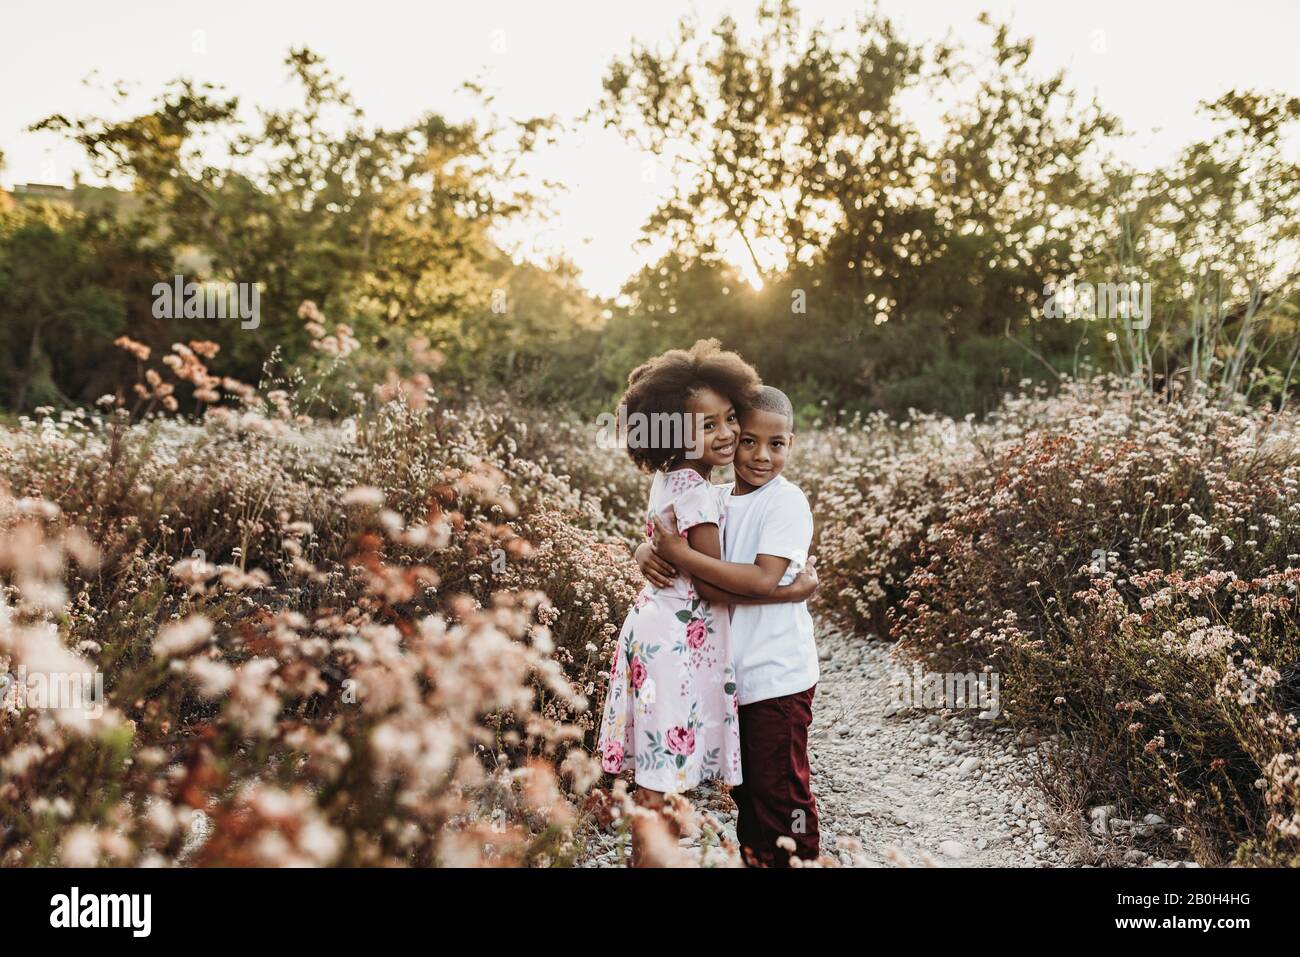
(661, 574)
(801, 589)
(757, 580)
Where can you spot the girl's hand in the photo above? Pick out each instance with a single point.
(656, 571)
(668, 542)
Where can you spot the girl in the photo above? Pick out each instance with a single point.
(670, 712)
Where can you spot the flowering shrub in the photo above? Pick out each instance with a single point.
(382, 640)
(1128, 565)
(876, 485)
(368, 643)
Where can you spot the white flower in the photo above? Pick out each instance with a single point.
(214, 678)
(364, 495)
(181, 637)
(80, 847)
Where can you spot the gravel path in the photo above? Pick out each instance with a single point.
(913, 787)
(916, 787)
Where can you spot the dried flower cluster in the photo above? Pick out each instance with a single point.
(1127, 563)
(383, 641)
(377, 644)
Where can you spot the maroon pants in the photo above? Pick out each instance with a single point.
(776, 798)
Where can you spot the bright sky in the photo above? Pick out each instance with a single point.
(1150, 62)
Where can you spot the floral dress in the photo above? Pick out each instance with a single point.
(671, 710)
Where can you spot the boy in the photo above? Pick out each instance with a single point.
(766, 537)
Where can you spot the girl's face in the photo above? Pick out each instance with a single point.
(712, 429)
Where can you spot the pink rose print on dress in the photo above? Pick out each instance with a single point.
(681, 740)
(612, 761)
(696, 632)
(671, 706)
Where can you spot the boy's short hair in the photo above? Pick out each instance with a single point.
(771, 399)
(664, 384)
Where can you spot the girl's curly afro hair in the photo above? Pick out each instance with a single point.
(666, 382)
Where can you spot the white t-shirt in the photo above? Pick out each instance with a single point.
(773, 647)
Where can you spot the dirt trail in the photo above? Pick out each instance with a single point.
(915, 787)
(918, 787)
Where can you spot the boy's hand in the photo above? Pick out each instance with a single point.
(806, 582)
(656, 571)
(668, 542)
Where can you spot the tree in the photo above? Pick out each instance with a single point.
(69, 284)
(795, 143)
(1215, 234)
(382, 228)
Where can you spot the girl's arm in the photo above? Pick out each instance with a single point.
(704, 561)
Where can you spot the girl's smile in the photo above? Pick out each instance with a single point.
(715, 428)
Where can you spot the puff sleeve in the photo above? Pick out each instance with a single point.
(697, 505)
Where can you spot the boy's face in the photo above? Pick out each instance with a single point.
(765, 442)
